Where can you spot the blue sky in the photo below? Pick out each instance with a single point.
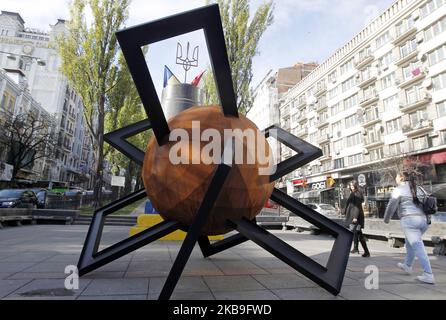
(303, 30)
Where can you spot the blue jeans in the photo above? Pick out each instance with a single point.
(414, 227)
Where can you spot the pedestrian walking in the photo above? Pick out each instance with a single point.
(405, 201)
(354, 218)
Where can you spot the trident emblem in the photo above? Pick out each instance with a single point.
(185, 61)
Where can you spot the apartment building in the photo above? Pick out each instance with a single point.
(264, 111)
(32, 52)
(380, 97)
(15, 99)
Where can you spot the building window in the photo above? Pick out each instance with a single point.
(354, 159)
(348, 84)
(371, 113)
(376, 154)
(337, 128)
(391, 103)
(351, 121)
(338, 107)
(407, 48)
(411, 70)
(443, 135)
(333, 93)
(439, 81)
(383, 39)
(332, 76)
(326, 149)
(437, 55)
(394, 125)
(417, 116)
(404, 26)
(397, 149)
(387, 59)
(339, 163)
(351, 102)
(373, 135)
(413, 94)
(338, 145)
(435, 29)
(326, 166)
(431, 6)
(420, 143)
(441, 109)
(347, 66)
(354, 139)
(388, 80)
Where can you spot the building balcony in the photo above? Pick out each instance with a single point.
(420, 128)
(363, 80)
(421, 100)
(369, 121)
(365, 60)
(369, 98)
(322, 123)
(417, 75)
(321, 89)
(301, 103)
(323, 138)
(285, 112)
(409, 56)
(326, 157)
(321, 106)
(371, 143)
(404, 33)
(70, 132)
(301, 132)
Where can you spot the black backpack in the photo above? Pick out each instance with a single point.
(428, 203)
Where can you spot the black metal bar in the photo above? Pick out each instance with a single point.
(90, 263)
(132, 39)
(337, 262)
(306, 152)
(117, 139)
(209, 249)
(194, 230)
(90, 259)
(294, 258)
(295, 206)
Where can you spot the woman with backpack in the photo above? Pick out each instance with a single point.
(354, 218)
(414, 222)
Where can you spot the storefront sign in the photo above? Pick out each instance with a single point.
(361, 180)
(319, 185)
(299, 182)
(384, 190)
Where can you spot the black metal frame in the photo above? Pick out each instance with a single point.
(131, 40)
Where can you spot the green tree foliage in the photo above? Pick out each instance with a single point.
(88, 52)
(125, 108)
(242, 36)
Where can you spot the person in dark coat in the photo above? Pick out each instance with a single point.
(354, 218)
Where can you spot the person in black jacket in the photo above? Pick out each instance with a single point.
(354, 218)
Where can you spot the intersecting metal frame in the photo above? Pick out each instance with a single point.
(131, 40)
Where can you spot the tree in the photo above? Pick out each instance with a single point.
(125, 107)
(27, 138)
(88, 53)
(242, 39)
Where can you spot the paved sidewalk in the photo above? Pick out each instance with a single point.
(33, 260)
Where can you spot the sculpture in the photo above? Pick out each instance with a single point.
(216, 206)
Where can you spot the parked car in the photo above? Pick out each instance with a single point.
(324, 209)
(18, 198)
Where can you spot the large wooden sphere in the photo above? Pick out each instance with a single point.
(176, 190)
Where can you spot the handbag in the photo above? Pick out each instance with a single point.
(428, 203)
